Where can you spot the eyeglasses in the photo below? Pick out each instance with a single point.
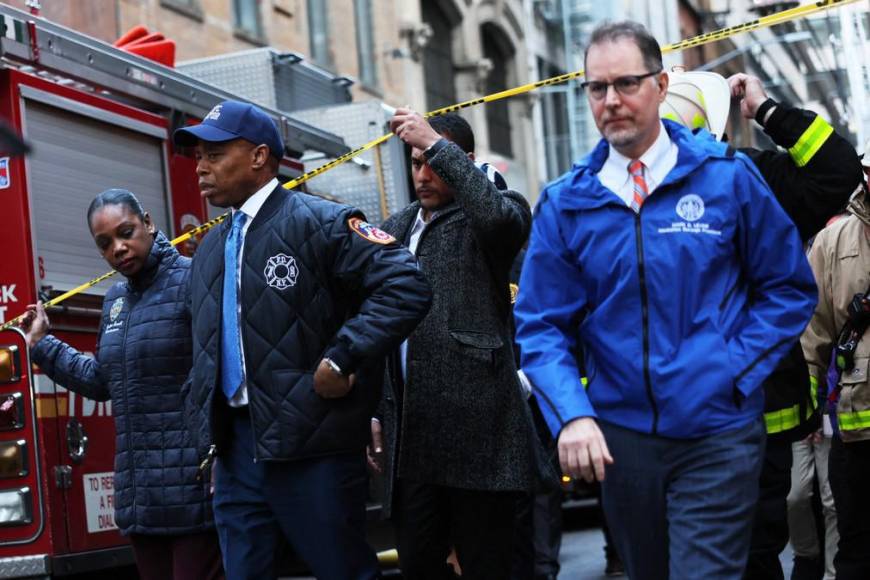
(626, 85)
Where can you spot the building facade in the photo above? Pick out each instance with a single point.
(422, 53)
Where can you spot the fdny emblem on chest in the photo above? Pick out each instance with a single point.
(281, 271)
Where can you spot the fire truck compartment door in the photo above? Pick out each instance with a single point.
(74, 158)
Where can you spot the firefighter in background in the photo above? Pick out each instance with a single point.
(143, 357)
(812, 181)
(837, 349)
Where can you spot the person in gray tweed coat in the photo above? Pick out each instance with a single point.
(456, 423)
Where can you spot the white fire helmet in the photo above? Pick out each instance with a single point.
(697, 99)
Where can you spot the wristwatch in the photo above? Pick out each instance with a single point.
(333, 365)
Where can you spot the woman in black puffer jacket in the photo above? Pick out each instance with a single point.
(143, 357)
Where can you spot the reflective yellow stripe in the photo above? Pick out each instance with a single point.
(810, 142)
(853, 421)
(785, 419)
(585, 382)
(814, 391)
(782, 420)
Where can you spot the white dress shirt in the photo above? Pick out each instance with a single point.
(250, 208)
(416, 231)
(658, 161)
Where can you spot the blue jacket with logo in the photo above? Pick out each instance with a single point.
(676, 314)
(143, 358)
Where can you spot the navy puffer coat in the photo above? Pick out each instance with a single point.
(143, 357)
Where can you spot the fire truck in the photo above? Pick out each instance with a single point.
(95, 117)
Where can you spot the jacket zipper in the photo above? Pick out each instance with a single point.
(239, 321)
(644, 306)
(126, 397)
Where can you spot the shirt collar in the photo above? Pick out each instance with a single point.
(419, 222)
(652, 157)
(253, 204)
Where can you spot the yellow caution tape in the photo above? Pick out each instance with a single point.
(699, 40)
(78, 289)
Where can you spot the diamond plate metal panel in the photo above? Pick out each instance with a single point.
(23, 566)
(248, 73)
(359, 123)
(276, 80)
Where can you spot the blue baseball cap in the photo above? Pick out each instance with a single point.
(233, 120)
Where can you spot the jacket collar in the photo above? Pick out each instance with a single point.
(162, 253)
(406, 218)
(583, 190)
(858, 204)
(269, 207)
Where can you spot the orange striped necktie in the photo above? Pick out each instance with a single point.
(639, 187)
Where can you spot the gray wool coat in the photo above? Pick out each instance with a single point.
(460, 419)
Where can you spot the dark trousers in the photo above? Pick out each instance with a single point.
(523, 559)
(770, 528)
(537, 535)
(178, 557)
(430, 519)
(682, 508)
(538, 529)
(318, 504)
(849, 472)
(547, 517)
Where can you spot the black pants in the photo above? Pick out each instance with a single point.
(538, 527)
(849, 472)
(770, 527)
(430, 519)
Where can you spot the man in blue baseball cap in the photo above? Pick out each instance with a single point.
(294, 303)
(234, 135)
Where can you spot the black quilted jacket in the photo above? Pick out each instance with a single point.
(142, 360)
(310, 286)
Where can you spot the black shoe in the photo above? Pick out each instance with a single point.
(614, 566)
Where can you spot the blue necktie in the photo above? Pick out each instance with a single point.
(231, 348)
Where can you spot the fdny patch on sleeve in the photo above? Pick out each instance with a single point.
(369, 232)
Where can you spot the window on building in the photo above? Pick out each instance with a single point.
(365, 42)
(190, 8)
(438, 58)
(556, 129)
(318, 32)
(246, 15)
(497, 49)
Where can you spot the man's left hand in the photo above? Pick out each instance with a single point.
(749, 90)
(413, 129)
(330, 384)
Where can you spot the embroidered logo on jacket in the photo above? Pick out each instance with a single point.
(690, 207)
(281, 271)
(369, 232)
(117, 307)
(114, 312)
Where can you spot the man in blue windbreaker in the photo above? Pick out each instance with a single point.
(662, 268)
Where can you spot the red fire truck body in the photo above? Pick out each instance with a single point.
(95, 118)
